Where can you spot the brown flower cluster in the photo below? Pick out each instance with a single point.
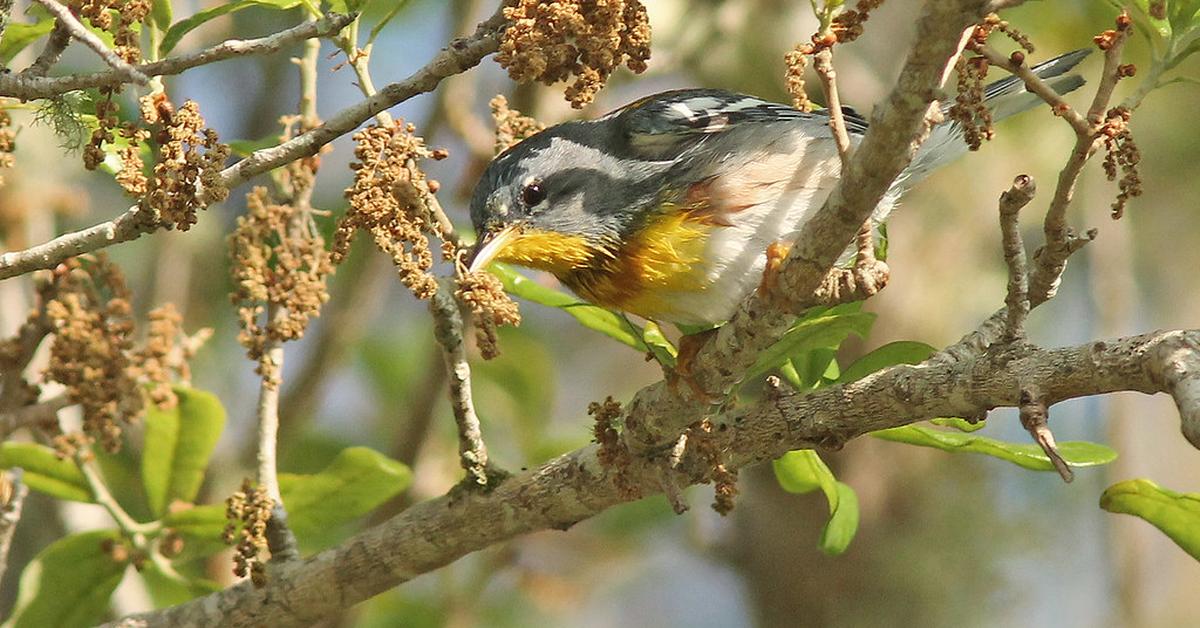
(992, 23)
(108, 126)
(391, 199)
(119, 18)
(797, 61)
(1121, 154)
(511, 126)
(613, 454)
(163, 358)
(702, 438)
(279, 270)
(604, 432)
(8, 142)
(845, 27)
(187, 168)
(188, 163)
(93, 346)
(248, 511)
(969, 109)
(848, 25)
(484, 294)
(587, 39)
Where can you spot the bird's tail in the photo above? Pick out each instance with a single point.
(1004, 98)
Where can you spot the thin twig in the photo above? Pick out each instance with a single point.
(1041, 88)
(80, 32)
(1034, 418)
(100, 493)
(448, 330)
(279, 539)
(10, 511)
(447, 318)
(459, 56)
(56, 43)
(31, 84)
(864, 241)
(823, 64)
(1049, 262)
(31, 415)
(1017, 301)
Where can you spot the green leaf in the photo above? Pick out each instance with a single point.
(1027, 455)
(244, 148)
(166, 590)
(179, 443)
(891, 354)
(160, 14)
(1176, 514)
(662, 348)
(812, 369)
(185, 26)
(45, 471)
(1145, 22)
(17, 36)
(1182, 15)
(355, 483)
(396, 7)
(843, 522)
(68, 583)
(823, 329)
(590, 316)
(803, 471)
(961, 425)
(346, 7)
(200, 528)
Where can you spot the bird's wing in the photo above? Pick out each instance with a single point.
(662, 126)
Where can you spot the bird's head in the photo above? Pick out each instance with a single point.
(555, 201)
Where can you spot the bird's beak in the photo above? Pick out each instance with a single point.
(489, 246)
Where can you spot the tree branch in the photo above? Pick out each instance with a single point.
(576, 486)
(1017, 301)
(10, 511)
(459, 56)
(448, 330)
(29, 85)
(127, 72)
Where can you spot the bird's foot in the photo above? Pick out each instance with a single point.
(777, 252)
(689, 348)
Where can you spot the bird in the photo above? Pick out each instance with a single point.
(664, 208)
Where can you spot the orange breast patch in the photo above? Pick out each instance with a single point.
(665, 256)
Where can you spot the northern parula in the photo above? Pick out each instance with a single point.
(664, 208)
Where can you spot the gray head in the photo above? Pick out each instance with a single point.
(557, 190)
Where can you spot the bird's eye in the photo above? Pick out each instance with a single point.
(533, 193)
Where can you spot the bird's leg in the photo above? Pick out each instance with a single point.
(689, 348)
(777, 252)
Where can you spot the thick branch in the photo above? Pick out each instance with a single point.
(459, 56)
(575, 486)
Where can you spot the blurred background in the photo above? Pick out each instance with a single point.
(944, 540)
